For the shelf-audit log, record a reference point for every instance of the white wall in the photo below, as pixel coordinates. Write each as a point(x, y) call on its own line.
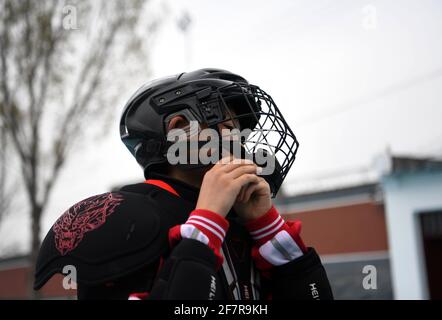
point(407, 195)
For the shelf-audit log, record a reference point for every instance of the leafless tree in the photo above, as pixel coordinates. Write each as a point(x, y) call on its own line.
point(5, 192)
point(60, 65)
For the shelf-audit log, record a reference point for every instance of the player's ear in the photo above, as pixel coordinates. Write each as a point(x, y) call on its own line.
point(177, 122)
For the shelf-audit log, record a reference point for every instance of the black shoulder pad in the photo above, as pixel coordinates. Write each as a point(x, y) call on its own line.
point(104, 237)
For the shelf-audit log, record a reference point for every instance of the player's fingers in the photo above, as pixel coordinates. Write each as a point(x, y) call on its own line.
point(243, 169)
point(245, 179)
point(241, 194)
point(250, 190)
point(230, 164)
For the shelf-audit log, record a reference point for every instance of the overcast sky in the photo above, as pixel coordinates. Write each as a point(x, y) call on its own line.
point(352, 78)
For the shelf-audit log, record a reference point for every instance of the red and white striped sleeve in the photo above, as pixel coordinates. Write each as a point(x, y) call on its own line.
point(205, 226)
point(277, 241)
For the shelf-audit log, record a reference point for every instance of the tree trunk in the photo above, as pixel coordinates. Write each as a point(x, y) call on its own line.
point(36, 211)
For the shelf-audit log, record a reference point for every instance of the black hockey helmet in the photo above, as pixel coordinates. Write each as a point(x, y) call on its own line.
point(208, 96)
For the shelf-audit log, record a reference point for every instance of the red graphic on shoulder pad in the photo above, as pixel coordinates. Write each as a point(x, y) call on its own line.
point(85, 216)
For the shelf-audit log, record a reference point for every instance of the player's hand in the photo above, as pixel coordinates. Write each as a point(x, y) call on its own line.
point(254, 200)
point(223, 182)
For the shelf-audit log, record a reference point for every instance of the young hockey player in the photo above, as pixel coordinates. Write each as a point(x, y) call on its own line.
point(202, 225)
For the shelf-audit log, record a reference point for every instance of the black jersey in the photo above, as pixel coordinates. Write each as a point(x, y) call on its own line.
point(118, 243)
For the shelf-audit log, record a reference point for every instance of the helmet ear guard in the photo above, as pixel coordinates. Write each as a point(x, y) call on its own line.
point(187, 114)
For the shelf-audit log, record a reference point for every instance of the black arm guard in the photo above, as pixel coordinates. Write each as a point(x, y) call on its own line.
point(302, 279)
point(189, 274)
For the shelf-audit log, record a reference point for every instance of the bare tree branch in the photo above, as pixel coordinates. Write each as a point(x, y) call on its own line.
point(44, 67)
